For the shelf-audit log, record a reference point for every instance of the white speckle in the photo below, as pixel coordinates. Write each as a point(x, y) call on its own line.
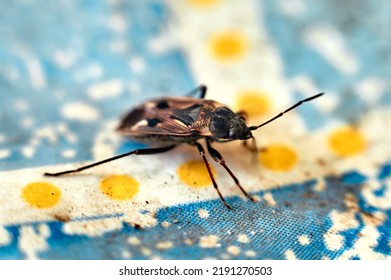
point(134, 240)
point(63, 130)
point(34, 141)
point(105, 142)
point(382, 202)
point(31, 241)
point(47, 132)
point(304, 239)
point(304, 84)
point(28, 151)
point(93, 71)
point(21, 105)
point(4, 153)
point(107, 89)
point(117, 23)
point(166, 224)
point(64, 59)
point(328, 42)
point(371, 89)
point(126, 254)
point(71, 137)
point(2, 137)
point(242, 238)
point(79, 111)
point(233, 250)
point(293, 8)
point(91, 228)
point(164, 245)
point(203, 213)
point(320, 185)
point(145, 251)
point(269, 199)
point(333, 241)
point(5, 237)
point(250, 253)
point(364, 246)
point(69, 153)
point(188, 241)
point(329, 102)
point(162, 43)
point(137, 64)
point(35, 71)
point(119, 46)
point(341, 221)
point(224, 256)
point(209, 241)
point(290, 255)
point(27, 122)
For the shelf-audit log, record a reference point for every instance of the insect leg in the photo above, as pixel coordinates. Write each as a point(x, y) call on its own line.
point(200, 89)
point(148, 151)
point(253, 148)
point(219, 158)
point(202, 153)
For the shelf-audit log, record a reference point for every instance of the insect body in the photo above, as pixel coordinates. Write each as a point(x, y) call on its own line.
point(185, 120)
point(170, 121)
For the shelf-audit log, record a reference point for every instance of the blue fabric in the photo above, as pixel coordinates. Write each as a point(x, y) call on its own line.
point(97, 50)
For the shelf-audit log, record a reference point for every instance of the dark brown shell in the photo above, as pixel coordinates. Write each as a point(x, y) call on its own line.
point(169, 116)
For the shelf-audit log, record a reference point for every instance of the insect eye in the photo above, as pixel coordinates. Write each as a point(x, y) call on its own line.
point(219, 123)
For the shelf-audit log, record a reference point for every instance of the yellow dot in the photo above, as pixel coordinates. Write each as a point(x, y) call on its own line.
point(347, 141)
point(194, 174)
point(203, 3)
point(254, 102)
point(278, 157)
point(41, 194)
point(119, 187)
point(228, 45)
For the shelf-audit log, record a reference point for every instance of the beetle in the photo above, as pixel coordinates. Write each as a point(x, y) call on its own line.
point(170, 121)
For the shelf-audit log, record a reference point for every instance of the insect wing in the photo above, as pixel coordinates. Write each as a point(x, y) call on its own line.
point(169, 116)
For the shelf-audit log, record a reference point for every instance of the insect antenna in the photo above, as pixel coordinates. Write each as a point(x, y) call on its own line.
point(255, 127)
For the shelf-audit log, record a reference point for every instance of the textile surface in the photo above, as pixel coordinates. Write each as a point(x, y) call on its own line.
point(321, 179)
